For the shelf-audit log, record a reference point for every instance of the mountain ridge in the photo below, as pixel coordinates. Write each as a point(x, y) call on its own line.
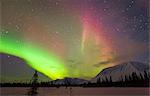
point(119, 71)
point(69, 81)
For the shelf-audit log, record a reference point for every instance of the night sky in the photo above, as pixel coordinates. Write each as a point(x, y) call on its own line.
point(70, 38)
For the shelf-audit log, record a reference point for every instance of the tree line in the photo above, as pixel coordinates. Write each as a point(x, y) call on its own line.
point(132, 80)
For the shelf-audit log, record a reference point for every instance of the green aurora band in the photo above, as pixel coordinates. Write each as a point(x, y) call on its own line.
point(36, 57)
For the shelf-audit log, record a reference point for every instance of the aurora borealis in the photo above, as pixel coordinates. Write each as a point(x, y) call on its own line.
point(74, 38)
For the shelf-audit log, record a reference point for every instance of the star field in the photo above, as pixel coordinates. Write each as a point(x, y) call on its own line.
point(74, 38)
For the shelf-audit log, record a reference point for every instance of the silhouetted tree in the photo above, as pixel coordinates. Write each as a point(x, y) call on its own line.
point(146, 75)
point(134, 76)
point(98, 80)
point(106, 79)
point(130, 78)
point(126, 79)
point(141, 77)
point(33, 90)
point(110, 79)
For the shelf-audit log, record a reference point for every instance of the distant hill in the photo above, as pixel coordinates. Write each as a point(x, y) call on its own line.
point(122, 71)
point(129, 74)
point(69, 81)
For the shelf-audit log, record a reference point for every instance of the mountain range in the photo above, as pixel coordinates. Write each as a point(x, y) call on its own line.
point(116, 73)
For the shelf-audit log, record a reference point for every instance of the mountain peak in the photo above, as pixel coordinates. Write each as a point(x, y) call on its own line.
point(139, 66)
point(119, 71)
point(69, 81)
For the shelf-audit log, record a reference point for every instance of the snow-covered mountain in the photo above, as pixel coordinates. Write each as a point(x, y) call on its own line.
point(69, 81)
point(119, 71)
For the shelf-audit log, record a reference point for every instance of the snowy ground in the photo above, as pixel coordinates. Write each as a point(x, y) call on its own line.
point(76, 91)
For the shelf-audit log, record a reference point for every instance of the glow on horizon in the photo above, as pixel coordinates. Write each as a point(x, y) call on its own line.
point(41, 60)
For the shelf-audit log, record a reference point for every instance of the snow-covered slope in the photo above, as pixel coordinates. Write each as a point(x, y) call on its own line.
point(69, 81)
point(119, 72)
